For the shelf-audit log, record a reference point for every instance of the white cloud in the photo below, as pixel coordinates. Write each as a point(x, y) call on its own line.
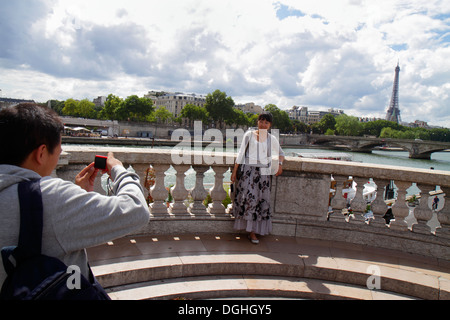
point(331, 53)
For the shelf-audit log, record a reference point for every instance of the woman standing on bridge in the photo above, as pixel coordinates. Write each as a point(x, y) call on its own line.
point(252, 178)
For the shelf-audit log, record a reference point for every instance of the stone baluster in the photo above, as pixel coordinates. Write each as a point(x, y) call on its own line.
point(338, 202)
point(358, 203)
point(444, 216)
point(379, 206)
point(218, 193)
point(198, 193)
point(141, 170)
point(158, 191)
point(422, 212)
point(179, 192)
point(400, 209)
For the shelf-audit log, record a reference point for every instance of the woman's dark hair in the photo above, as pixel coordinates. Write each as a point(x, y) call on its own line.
point(25, 127)
point(266, 116)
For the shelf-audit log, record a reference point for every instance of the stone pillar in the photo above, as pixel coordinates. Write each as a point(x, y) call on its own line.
point(198, 193)
point(444, 216)
point(400, 209)
point(338, 202)
point(358, 203)
point(218, 193)
point(179, 192)
point(159, 192)
point(379, 207)
point(422, 212)
point(141, 170)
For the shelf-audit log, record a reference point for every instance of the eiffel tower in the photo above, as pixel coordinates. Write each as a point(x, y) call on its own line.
point(393, 113)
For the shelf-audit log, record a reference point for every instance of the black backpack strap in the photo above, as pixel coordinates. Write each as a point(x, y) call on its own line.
point(31, 224)
point(31, 217)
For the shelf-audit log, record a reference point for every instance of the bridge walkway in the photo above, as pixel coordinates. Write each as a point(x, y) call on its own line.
point(204, 266)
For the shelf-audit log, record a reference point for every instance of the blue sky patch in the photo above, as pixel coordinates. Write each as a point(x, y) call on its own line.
point(284, 12)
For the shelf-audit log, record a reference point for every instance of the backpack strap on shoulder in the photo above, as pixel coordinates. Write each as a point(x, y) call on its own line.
point(31, 225)
point(31, 219)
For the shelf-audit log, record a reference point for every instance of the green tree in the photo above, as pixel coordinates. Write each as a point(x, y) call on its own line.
point(299, 127)
point(194, 113)
point(252, 120)
point(373, 128)
point(86, 109)
point(134, 108)
point(348, 125)
point(138, 108)
point(238, 118)
point(162, 115)
point(281, 119)
point(56, 105)
point(440, 134)
point(112, 103)
point(70, 108)
point(328, 122)
point(219, 106)
point(387, 132)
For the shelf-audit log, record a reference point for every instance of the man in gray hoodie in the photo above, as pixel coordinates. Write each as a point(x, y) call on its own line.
point(74, 217)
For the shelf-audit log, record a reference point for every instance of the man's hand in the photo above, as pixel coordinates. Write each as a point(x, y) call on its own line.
point(86, 178)
point(112, 162)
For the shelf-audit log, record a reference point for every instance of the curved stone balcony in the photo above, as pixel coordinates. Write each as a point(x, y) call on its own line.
point(322, 246)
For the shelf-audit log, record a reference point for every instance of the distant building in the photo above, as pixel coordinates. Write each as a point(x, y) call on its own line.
point(249, 108)
point(303, 114)
point(8, 102)
point(100, 101)
point(368, 119)
point(175, 102)
point(419, 124)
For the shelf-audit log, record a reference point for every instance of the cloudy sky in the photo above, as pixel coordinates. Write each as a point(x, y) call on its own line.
point(322, 53)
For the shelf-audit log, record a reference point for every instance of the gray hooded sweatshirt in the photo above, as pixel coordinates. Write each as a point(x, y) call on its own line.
point(73, 218)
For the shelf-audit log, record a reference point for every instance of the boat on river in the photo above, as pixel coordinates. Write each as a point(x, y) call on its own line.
point(338, 156)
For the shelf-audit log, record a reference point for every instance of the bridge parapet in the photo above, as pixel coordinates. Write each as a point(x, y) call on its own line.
point(310, 199)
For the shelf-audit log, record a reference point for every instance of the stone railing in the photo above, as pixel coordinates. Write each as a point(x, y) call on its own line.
point(308, 199)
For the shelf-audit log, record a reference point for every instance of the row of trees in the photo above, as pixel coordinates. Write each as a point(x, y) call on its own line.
point(115, 108)
point(219, 109)
point(345, 125)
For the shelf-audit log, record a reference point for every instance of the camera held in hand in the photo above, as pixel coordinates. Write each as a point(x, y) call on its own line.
point(100, 162)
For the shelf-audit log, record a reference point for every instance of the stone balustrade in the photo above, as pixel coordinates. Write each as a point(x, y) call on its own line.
point(309, 200)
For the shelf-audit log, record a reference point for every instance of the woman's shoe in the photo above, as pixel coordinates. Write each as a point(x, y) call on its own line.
point(254, 241)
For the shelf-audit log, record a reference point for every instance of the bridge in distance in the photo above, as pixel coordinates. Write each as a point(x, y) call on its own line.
point(417, 149)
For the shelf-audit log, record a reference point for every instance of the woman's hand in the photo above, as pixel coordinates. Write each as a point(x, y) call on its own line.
point(233, 177)
point(280, 171)
point(86, 178)
point(234, 173)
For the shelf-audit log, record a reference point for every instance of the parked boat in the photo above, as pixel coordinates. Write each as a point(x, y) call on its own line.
point(338, 156)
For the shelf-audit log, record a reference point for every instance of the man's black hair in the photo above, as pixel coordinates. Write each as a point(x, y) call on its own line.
point(25, 127)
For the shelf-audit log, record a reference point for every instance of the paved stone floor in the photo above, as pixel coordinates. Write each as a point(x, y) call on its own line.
point(315, 269)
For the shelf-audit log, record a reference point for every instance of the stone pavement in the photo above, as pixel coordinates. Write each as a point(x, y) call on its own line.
point(205, 266)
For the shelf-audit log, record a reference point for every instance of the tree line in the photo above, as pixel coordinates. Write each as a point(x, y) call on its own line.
point(345, 125)
point(219, 110)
